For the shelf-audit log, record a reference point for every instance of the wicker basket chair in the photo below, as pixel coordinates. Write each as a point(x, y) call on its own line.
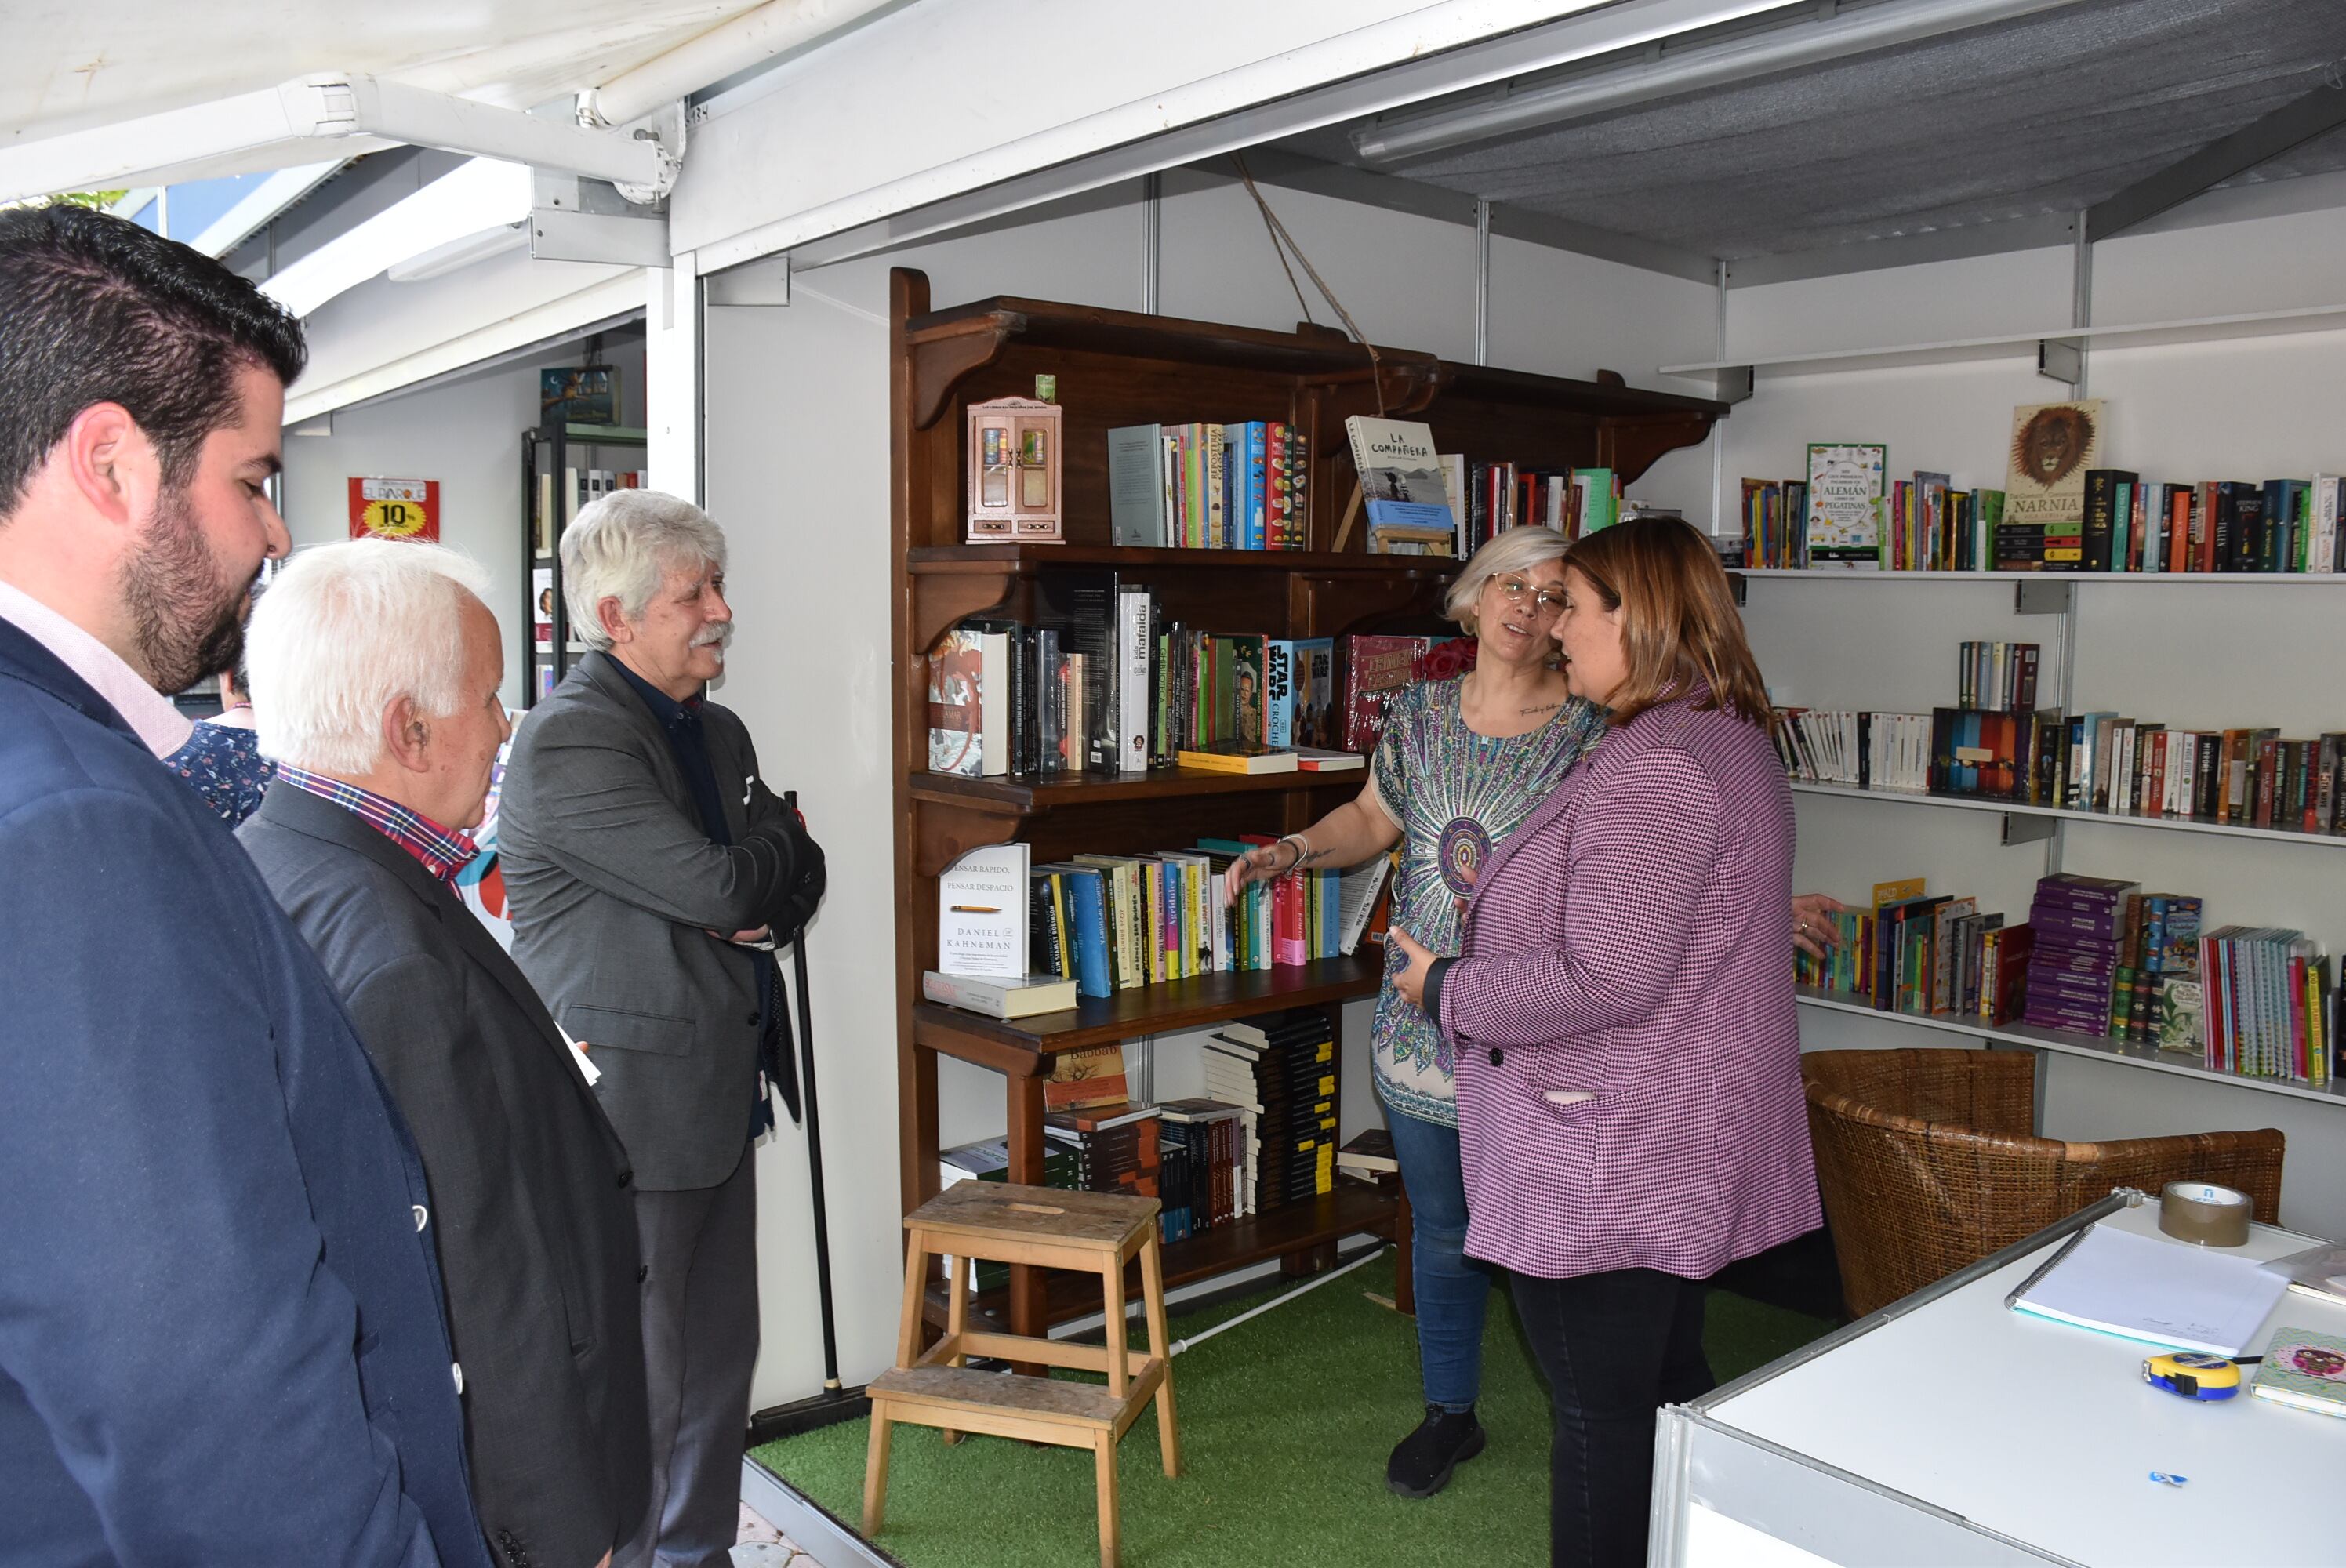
point(1927, 1163)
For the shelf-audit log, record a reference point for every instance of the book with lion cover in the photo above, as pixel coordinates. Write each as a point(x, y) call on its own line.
point(2053, 444)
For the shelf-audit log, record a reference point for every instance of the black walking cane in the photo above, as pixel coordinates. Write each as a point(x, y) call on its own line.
point(834, 1404)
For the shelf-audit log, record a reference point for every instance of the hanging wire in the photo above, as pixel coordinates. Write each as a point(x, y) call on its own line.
point(1283, 243)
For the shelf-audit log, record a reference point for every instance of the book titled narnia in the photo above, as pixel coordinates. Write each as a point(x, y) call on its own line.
point(2053, 445)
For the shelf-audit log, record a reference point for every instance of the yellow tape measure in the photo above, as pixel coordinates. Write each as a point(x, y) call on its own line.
point(2193, 1374)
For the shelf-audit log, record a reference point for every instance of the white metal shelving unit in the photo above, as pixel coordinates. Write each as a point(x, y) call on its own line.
point(2068, 1045)
point(2071, 814)
point(2059, 350)
point(2055, 593)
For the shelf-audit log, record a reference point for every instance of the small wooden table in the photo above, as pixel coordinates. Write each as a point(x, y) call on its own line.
point(1095, 1233)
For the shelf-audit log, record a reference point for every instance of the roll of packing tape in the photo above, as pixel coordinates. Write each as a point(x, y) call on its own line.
point(2203, 1212)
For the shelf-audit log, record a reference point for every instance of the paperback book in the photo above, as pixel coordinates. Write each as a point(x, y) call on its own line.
point(1401, 475)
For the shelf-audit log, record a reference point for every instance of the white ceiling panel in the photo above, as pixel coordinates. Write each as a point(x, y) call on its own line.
point(75, 64)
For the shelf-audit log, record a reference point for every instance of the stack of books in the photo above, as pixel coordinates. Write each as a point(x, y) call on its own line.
point(2116, 521)
point(1115, 1146)
point(1201, 1159)
point(2268, 1009)
point(1116, 922)
point(1280, 1069)
point(1861, 750)
point(2080, 925)
point(2000, 678)
point(1101, 679)
point(2158, 949)
point(1933, 957)
point(1776, 523)
point(1238, 485)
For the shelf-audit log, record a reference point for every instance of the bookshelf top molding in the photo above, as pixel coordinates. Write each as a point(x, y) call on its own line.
point(1024, 559)
point(1021, 795)
point(947, 345)
point(2022, 345)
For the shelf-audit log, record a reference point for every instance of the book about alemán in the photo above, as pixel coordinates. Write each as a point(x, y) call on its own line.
point(1845, 488)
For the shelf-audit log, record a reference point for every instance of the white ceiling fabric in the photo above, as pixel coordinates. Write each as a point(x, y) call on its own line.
point(75, 63)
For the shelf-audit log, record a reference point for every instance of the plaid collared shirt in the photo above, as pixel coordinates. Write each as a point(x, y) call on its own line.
point(442, 851)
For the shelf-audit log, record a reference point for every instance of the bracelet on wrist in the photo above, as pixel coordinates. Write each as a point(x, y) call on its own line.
point(1302, 848)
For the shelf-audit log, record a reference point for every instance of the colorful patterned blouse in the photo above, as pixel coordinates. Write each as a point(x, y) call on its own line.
point(224, 763)
point(1456, 794)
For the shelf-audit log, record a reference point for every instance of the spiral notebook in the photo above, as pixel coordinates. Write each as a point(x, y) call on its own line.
point(2148, 1289)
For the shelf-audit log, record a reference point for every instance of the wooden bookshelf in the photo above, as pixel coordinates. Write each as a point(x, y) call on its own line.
point(1119, 368)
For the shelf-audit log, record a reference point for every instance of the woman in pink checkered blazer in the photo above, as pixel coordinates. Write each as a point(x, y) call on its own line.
point(1629, 1102)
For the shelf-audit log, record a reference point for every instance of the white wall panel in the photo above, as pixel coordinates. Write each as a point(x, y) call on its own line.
point(2018, 292)
point(2271, 264)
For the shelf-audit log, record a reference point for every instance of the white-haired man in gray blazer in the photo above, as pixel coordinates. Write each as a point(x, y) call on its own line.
point(649, 870)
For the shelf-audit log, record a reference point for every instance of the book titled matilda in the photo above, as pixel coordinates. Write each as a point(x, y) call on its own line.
point(2053, 444)
point(1401, 475)
point(1845, 488)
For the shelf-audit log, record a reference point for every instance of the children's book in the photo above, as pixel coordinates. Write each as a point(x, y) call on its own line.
point(2305, 1370)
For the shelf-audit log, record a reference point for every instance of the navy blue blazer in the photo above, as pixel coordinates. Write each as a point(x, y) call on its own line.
point(221, 1328)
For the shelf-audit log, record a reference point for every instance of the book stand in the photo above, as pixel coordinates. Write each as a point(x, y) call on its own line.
point(1093, 1233)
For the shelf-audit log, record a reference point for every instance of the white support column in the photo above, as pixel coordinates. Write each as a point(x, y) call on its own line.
point(1482, 282)
point(1152, 243)
point(672, 378)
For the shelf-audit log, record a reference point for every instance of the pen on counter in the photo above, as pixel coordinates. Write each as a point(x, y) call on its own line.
point(2045, 1268)
point(975, 909)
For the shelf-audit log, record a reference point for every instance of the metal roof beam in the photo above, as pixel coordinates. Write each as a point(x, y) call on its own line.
point(335, 115)
point(2293, 123)
point(1394, 193)
point(2036, 232)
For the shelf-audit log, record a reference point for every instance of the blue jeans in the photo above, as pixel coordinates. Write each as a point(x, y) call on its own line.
point(1452, 1288)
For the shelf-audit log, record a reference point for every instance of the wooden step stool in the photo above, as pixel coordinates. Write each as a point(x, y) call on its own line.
point(1095, 1233)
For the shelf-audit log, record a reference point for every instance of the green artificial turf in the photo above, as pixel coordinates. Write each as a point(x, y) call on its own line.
point(1285, 1425)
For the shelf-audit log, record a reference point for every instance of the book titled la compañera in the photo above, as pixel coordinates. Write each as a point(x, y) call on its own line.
point(1401, 475)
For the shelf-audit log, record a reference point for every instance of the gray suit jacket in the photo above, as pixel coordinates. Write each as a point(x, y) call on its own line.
point(528, 1183)
point(614, 887)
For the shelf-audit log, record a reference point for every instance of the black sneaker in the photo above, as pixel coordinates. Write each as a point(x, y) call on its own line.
point(1422, 1464)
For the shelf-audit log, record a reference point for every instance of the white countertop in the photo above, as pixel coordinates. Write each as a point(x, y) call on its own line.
point(2047, 1433)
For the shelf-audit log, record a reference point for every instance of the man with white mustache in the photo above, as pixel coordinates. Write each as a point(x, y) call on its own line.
point(650, 871)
